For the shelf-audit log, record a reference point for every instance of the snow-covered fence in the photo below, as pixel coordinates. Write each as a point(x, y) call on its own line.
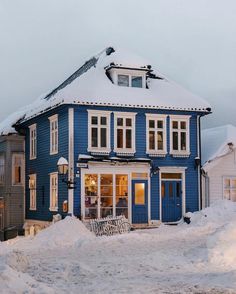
point(110, 225)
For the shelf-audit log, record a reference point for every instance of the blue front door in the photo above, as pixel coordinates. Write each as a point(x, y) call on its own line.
point(139, 201)
point(171, 194)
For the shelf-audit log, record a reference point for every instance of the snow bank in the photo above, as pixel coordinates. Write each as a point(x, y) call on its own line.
point(66, 232)
point(218, 214)
point(222, 246)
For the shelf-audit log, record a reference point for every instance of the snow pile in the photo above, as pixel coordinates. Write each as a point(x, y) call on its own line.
point(218, 214)
point(67, 232)
point(222, 246)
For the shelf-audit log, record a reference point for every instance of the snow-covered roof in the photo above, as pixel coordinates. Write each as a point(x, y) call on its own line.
point(217, 142)
point(90, 85)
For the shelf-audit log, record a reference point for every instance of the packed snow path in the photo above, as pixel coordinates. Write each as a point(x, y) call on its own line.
point(172, 259)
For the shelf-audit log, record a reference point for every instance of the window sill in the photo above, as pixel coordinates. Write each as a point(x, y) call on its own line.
point(53, 208)
point(54, 153)
point(33, 209)
point(124, 152)
point(180, 155)
point(156, 154)
point(99, 151)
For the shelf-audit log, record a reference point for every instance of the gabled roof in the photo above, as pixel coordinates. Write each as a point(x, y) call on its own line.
point(90, 85)
point(217, 142)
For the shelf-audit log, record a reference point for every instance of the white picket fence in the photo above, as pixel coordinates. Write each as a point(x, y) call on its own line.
point(110, 225)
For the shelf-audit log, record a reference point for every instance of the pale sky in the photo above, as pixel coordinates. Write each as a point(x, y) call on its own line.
point(193, 42)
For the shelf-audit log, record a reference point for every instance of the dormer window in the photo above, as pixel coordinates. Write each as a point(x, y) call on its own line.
point(128, 77)
point(130, 81)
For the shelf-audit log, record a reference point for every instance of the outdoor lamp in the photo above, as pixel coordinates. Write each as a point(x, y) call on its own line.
point(62, 166)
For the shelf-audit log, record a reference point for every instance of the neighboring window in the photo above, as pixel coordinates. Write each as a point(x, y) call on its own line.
point(53, 192)
point(124, 131)
point(33, 191)
point(230, 188)
point(17, 169)
point(179, 135)
point(156, 134)
point(128, 80)
point(99, 131)
point(33, 141)
point(53, 134)
point(2, 169)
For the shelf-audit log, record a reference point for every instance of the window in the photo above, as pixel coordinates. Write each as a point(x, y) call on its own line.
point(2, 169)
point(99, 131)
point(156, 134)
point(53, 192)
point(17, 169)
point(105, 194)
point(230, 188)
point(33, 191)
point(179, 135)
point(123, 80)
point(53, 134)
point(33, 141)
point(124, 130)
point(129, 80)
point(139, 194)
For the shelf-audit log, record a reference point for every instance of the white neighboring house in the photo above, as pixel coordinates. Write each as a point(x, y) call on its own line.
point(219, 164)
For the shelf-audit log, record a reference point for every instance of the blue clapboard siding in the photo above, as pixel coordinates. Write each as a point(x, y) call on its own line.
point(45, 163)
point(81, 144)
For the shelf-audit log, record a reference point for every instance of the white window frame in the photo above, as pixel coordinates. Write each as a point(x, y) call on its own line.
point(53, 176)
point(179, 119)
point(99, 114)
point(125, 115)
point(22, 166)
point(230, 188)
point(33, 141)
point(156, 117)
point(33, 192)
point(53, 134)
point(2, 170)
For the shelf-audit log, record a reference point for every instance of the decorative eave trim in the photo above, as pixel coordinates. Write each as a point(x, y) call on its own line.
point(156, 154)
point(161, 107)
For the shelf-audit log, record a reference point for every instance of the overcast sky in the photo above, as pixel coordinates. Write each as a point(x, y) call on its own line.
point(193, 42)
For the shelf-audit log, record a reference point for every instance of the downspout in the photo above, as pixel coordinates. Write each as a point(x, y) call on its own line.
point(200, 156)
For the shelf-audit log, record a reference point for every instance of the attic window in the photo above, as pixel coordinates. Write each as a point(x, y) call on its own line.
point(130, 81)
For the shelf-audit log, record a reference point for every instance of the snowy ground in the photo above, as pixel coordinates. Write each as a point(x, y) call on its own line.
point(66, 258)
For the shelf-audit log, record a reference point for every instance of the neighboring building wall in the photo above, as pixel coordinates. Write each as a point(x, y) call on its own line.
point(13, 194)
point(216, 171)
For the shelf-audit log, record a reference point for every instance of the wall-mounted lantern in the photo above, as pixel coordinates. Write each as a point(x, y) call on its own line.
point(63, 166)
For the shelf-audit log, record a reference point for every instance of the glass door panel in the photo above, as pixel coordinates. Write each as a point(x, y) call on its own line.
point(106, 195)
point(122, 195)
point(91, 196)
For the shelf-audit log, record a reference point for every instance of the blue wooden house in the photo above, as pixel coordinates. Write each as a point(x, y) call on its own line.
point(130, 136)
